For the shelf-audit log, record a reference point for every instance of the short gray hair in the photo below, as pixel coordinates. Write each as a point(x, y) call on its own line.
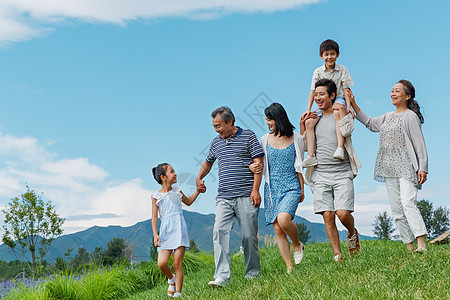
point(225, 112)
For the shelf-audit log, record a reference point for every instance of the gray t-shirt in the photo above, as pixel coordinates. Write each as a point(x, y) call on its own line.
point(326, 144)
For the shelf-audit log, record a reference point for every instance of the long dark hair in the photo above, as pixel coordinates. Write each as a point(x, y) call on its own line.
point(412, 103)
point(158, 171)
point(283, 126)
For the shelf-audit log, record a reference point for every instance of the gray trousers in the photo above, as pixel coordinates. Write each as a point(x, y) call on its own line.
point(227, 211)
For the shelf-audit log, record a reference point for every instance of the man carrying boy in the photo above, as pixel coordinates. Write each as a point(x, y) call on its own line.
point(238, 194)
point(329, 52)
point(332, 179)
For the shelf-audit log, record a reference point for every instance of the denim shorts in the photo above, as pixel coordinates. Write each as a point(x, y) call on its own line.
point(338, 100)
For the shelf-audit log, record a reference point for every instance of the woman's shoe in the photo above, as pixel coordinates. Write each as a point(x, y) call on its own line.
point(298, 255)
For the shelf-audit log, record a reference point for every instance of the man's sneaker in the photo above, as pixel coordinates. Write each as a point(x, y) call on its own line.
point(338, 257)
point(310, 162)
point(339, 153)
point(353, 243)
point(218, 282)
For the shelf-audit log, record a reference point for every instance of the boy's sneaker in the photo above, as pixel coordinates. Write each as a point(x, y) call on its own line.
point(338, 257)
point(310, 162)
point(353, 243)
point(339, 153)
point(218, 282)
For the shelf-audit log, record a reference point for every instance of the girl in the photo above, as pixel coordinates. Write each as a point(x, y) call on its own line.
point(174, 237)
point(402, 160)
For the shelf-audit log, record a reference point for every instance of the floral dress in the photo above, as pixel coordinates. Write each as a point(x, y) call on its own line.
point(283, 193)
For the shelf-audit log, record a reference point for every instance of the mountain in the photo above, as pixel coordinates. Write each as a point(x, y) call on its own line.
point(140, 236)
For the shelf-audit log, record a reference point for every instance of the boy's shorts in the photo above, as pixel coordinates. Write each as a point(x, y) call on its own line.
point(331, 193)
point(339, 100)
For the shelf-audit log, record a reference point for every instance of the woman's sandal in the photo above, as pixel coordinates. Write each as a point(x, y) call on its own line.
point(298, 255)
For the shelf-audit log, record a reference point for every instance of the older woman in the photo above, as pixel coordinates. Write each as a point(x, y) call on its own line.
point(402, 161)
point(283, 189)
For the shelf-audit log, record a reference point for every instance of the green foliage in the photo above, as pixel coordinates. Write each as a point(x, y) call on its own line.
point(441, 221)
point(32, 224)
point(193, 246)
point(115, 252)
point(303, 232)
point(13, 268)
point(153, 252)
point(426, 210)
point(103, 284)
point(437, 221)
point(383, 226)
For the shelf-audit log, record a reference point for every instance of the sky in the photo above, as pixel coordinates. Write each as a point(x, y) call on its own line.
point(93, 94)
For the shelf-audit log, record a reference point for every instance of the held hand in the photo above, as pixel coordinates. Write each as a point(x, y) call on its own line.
point(350, 111)
point(201, 187)
point(256, 167)
point(157, 241)
point(422, 177)
point(256, 198)
point(349, 95)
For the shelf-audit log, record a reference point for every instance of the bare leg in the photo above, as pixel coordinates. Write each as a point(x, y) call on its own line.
point(347, 220)
point(178, 256)
point(410, 247)
point(163, 263)
point(339, 112)
point(283, 245)
point(332, 232)
point(421, 242)
point(311, 136)
point(289, 228)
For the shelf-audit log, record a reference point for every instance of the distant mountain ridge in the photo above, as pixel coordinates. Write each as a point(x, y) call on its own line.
point(140, 236)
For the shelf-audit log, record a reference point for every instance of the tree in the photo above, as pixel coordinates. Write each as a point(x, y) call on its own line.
point(426, 210)
point(193, 246)
point(303, 232)
point(441, 221)
point(81, 258)
point(115, 252)
point(33, 224)
point(383, 226)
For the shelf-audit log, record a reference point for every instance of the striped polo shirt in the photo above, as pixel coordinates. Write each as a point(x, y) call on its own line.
point(235, 155)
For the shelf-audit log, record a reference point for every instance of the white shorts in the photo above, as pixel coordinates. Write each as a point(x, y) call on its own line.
point(332, 193)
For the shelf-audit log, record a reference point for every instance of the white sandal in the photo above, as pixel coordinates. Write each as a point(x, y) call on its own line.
point(171, 289)
point(298, 255)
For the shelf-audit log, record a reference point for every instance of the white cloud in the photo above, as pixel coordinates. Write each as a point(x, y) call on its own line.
point(25, 19)
point(77, 187)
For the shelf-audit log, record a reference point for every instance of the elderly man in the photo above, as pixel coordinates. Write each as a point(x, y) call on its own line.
point(331, 178)
point(238, 194)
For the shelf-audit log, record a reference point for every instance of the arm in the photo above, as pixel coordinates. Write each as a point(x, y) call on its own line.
point(156, 239)
point(189, 200)
point(204, 170)
point(310, 101)
point(257, 177)
point(302, 187)
point(373, 124)
point(420, 149)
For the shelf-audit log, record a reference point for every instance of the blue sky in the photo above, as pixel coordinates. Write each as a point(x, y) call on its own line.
point(95, 93)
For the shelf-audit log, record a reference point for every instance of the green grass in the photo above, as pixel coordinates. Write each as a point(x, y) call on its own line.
point(383, 270)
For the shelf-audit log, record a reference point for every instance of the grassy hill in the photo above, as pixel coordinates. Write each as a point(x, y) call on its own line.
point(383, 270)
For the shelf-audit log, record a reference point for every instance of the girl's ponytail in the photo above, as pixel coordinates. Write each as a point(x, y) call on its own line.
point(158, 171)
